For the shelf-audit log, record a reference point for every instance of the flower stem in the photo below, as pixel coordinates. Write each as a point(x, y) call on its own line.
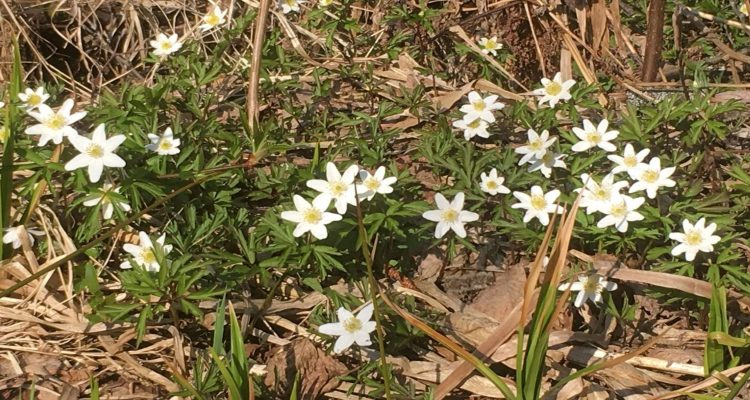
point(374, 293)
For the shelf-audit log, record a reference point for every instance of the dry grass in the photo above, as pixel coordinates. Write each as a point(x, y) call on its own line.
point(88, 46)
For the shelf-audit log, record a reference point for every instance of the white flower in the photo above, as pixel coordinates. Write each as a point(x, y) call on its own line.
point(481, 108)
point(651, 177)
point(694, 238)
point(554, 90)
point(213, 18)
point(493, 184)
point(375, 183)
point(288, 6)
point(630, 161)
point(2, 105)
point(96, 153)
point(536, 147)
point(165, 144)
point(594, 136)
point(620, 211)
point(589, 287)
point(13, 235)
point(311, 218)
point(490, 46)
point(538, 204)
point(103, 197)
point(324, 3)
point(143, 253)
point(547, 162)
point(4, 133)
point(475, 127)
point(350, 329)
point(54, 125)
point(450, 216)
point(338, 187)
point(743, 9)
point(597, 197)
point(33, 98)
point(165, 45)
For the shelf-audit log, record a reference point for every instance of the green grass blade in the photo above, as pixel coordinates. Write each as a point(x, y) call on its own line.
point(713, 359)
point(12, 122)
point(738, 386)
point(94, 388)
point(218, 341)
point(238, 365)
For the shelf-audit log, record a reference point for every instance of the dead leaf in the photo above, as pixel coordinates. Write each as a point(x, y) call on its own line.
point(302, 359)
point(430, 268)
point(503, 295)
point(472, 327)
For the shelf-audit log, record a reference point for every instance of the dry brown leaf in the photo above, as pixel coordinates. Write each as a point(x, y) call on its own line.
point(317, 371)
point(447, 100)
point(430, 268)
point(499, 299)
point(599, 24)
point(472, 327)
point(435, 373)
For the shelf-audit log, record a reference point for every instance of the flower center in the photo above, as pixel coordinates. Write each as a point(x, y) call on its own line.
point(372, 183)
point(450, 215)
point(352, 325)
point(312, 216)
point(591, 285)
point(630, 161)
point(594, 137)
point(56, 122)
point(479, 105)
point(490, 45)
point(491, 185)
point(538, 202)
point(338, 188)
point(650, 176)
point(601, 193)
point(166, 46)
point(693, 238)
point(95, 151)
point(553, 89)
point(212, 19)
point(618, 210)
point(34, 100)
point(290, 3)
point(535, 144)
point(165, 144)
point(475, 123)
point(147, 255)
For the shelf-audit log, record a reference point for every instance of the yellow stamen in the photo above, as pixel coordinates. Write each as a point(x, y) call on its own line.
point(693, 238)
point(147, 255)
point(95, 151)
point(538, 202)
point(650, 176)
point(312, 216)
point(338, 188)
point(56, 122)
point(450, 215)
point(352, 325)
point(372, 184)
point(553, 89)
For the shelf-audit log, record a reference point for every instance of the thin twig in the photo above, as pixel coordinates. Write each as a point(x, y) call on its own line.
point(252, 90)
point(654, 40)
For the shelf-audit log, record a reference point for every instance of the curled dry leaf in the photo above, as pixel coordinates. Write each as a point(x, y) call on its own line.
point(304, 359)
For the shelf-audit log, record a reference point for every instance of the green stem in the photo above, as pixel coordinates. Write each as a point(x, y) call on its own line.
point(374, 292)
